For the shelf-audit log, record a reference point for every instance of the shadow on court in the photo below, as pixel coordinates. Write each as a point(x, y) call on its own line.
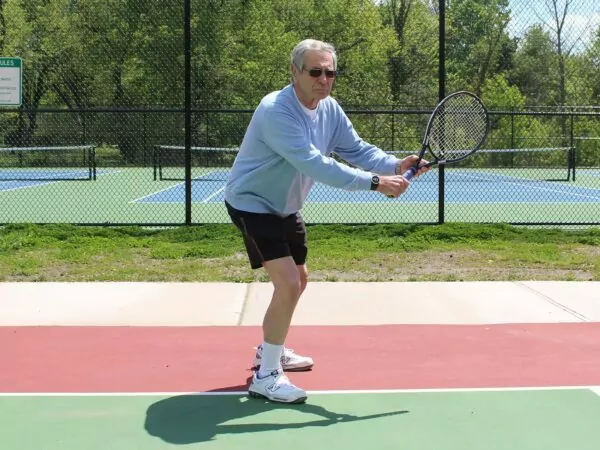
point(189, 418)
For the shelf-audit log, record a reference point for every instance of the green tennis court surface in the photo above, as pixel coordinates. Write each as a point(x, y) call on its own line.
point(525, 185)
point(451, 420)
point(131, 195)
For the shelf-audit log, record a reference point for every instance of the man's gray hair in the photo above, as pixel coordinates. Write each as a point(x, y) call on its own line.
point(299, 52)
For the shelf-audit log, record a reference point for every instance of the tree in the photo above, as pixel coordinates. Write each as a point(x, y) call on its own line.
point(565, 39)
point(477, 43)
point(535, 71)
point(413, 63)
point(592, 60)
point(2, 26)
point(37, 31)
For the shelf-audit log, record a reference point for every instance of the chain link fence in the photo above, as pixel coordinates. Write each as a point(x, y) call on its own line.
point(115, 91)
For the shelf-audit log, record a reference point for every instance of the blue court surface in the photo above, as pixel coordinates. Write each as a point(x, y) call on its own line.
point(461, 187)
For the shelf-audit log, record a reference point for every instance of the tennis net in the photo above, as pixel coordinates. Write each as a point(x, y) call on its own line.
point(207, 163)
point(524, 164)
point(486, 165)
point(59, 163)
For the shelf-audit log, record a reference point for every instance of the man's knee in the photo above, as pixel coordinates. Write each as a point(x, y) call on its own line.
point(286, 278)
point(290, 287)
point(303, 272)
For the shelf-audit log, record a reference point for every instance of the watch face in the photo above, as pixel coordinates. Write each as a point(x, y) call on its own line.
point(374, 182)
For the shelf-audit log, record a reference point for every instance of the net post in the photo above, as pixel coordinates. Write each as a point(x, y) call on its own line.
point(154, 161)
point(159, 159)
point(573, 160)
point(92, 157)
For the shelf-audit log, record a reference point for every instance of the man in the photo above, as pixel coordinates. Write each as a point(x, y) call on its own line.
point(285, 150)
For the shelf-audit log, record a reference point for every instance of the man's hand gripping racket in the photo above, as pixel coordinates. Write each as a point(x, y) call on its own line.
point(456, 129)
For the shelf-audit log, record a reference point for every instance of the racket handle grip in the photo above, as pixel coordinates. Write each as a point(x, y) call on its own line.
point(410, 173)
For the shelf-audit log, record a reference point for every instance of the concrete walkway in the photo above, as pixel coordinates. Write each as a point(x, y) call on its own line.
point(336, 303)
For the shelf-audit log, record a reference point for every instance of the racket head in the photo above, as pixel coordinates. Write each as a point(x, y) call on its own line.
point(457, 127)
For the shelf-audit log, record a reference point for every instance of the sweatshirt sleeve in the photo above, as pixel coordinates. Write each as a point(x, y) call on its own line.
point(351, 147)
point(286, 135)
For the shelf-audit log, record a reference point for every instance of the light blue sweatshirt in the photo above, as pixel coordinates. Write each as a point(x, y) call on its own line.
point(286, 149)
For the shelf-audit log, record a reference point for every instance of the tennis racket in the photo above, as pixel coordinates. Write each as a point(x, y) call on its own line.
point(456, 129)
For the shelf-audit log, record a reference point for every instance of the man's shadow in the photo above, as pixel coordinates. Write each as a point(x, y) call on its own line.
point(191, 418)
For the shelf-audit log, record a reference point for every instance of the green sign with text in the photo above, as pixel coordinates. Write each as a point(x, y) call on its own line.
point(11, 81)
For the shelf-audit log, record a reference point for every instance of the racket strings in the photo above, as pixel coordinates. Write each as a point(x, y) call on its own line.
point(459, 127)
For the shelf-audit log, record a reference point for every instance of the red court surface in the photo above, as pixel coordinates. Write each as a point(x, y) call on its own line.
point(196, 359)
point(417, 387)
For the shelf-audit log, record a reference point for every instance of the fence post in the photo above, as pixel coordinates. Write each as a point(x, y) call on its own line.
point(441, 95)
point(188, 106)
point(572, 150)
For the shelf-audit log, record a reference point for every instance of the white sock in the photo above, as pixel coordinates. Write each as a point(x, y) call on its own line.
point(271, 359)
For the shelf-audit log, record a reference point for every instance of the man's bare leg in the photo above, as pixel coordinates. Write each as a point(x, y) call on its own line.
point(289, 281)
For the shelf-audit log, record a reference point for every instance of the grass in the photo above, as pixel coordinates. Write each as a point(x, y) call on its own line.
point(449, 252)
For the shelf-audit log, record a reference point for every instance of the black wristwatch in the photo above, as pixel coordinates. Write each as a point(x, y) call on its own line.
point(374, 182)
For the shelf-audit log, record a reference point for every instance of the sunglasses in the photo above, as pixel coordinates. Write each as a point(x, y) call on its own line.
point(316, 73)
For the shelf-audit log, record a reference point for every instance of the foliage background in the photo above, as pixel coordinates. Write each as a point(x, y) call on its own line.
point(129, 54)
point(111, 73)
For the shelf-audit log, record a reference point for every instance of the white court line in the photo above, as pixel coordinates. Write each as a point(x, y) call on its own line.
point(207, 199)
point(29, 186)
point(157, 192)
point(203, 178)
point(199, 178)
point(558, 191)
point(595, 389)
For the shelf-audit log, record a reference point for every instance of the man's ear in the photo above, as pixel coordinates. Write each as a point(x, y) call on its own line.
point(294, 71)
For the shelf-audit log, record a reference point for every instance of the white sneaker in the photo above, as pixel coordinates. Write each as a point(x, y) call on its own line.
point(290, 361)
point(277, 388)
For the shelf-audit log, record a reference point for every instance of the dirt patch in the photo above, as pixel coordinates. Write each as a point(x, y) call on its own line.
point(463, 265)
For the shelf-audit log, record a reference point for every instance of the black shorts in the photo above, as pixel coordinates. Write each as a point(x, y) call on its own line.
point(268, 236)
